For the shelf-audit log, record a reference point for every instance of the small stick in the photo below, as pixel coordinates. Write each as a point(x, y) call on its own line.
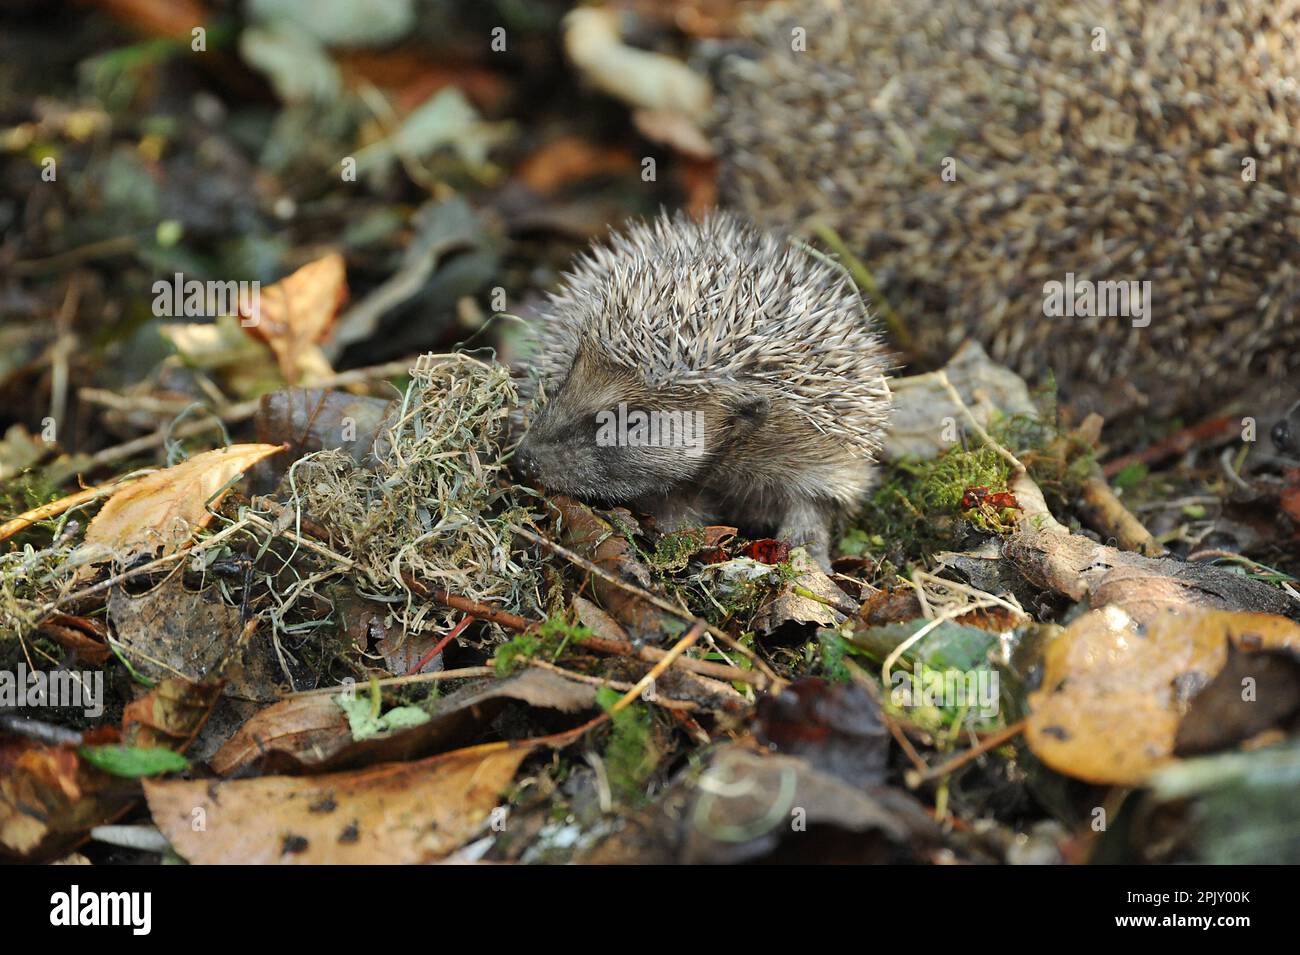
point(681, 646)
point(941, 376)
point(987, 743)
point(719, 671)
point(686, 706)
point(54, 508)
point(242, 411)
point(653, 600)
point(464, 673)
point(455, 632)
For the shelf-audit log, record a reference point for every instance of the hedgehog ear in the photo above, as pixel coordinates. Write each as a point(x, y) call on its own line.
point(748, 411)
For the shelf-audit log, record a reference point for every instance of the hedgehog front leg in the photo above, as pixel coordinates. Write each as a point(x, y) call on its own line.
point(808, 524)
point(672, 512)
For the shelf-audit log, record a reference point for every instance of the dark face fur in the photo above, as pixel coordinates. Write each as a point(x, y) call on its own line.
point(607, 437)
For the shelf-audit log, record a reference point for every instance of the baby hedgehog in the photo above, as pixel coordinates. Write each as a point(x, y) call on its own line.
point(709, 371)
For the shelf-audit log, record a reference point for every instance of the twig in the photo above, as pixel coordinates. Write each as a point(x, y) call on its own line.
point(653, 600)
point(1210, 431)
point(719, 671)
point(464, 673)
point(681, 646)
point(914, 779)
point(441, 645)
point(1108, 515)
point(941, 377)
point(665, 702)
point(241, 411)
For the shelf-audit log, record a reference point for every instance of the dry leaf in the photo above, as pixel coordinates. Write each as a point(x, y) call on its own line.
point(167, 507)
point(296, 313)
point(1115, 689)
point(401, 813)
point(49, 798)
point(308, 727)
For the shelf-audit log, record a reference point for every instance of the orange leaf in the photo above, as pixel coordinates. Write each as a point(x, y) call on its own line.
point(393, 813)
point(167, 507)
point(1108, 707)
point(297, 312)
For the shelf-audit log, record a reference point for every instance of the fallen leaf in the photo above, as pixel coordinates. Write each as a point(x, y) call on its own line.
point(49, 798)
point(295, 736)
point(569, 159)
point(396, 813)
point(170, 715)
point(170, 631)
point(296, 313)
point(306, 727)
point(165, 508)
point(1115, 688)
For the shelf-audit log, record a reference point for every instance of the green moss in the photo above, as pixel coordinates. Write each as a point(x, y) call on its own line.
point(631, 753)
point(673, 551)
point(550, 639)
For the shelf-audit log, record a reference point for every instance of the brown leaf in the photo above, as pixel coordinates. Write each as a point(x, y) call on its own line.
point(164, 509)
point(49, 798)
point(169, 715)
point(568, 159)
point(456, 719)
point(398, 813)
point(170, 631)
point(1114, 688)
point(297, 312)
point(306, 727)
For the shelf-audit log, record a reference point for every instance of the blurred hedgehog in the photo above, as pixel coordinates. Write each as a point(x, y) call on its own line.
point(708, 371)
point(1123, 142)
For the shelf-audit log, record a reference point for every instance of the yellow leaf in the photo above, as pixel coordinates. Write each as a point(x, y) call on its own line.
point(164, 509)
point(297, 312)
point(1110, 703)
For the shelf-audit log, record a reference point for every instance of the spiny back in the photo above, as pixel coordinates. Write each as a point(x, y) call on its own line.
point(1124, 140)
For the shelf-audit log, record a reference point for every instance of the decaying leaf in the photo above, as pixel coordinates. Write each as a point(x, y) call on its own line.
point(750, 805)
point(302, 735)
point(49, 797)
point(170, 631)
point(170, 715)
point(296, 313)
point(1115, 688)
point(164, 509)
point(306, 727)
point(394, 813)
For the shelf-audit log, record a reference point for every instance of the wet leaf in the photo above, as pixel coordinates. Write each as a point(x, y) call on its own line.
point(1114, 688)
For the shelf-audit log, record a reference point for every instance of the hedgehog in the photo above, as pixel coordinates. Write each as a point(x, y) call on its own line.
point(708, 370)
point(976, 153)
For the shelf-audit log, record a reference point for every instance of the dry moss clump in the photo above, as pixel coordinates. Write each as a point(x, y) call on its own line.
point(435, 501)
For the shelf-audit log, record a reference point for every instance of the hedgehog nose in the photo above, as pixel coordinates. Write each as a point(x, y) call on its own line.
point(525, 463)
